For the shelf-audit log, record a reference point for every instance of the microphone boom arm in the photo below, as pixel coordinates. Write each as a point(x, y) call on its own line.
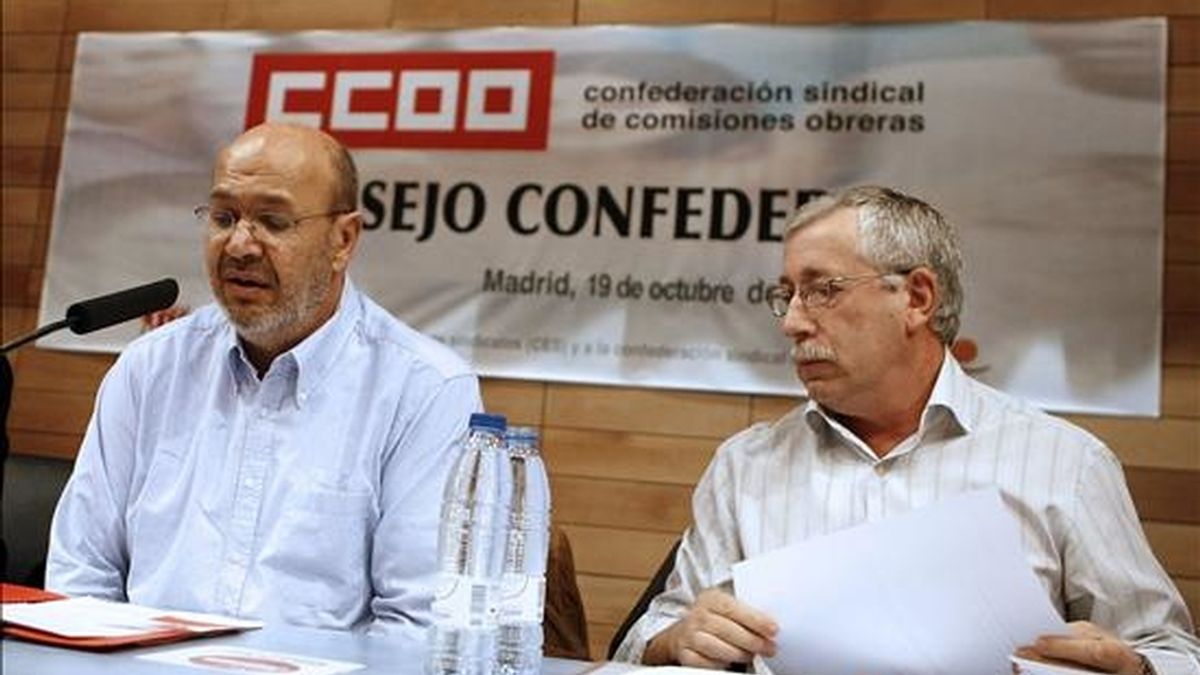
point(44, 330)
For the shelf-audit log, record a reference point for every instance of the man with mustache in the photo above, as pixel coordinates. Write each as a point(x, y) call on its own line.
point(281, 454)
point(870, 296)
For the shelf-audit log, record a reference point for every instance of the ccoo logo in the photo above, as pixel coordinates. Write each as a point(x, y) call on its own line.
point(427, 100)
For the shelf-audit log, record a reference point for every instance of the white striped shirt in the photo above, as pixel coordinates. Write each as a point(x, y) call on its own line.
point(807, 475)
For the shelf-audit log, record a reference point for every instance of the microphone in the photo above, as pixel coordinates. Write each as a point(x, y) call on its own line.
point(107, 310)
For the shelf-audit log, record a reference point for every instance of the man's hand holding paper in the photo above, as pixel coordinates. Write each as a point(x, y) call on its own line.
point(718, 631)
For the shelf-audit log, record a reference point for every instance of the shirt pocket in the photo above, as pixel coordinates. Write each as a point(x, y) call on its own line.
point(323, 501)
point(322, 552)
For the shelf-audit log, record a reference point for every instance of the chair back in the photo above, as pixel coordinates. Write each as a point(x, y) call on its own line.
point(32, 486)
point(657, 583)
point(564, 627)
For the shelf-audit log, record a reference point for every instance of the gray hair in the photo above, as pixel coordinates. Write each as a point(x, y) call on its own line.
point(345, 176)
point(899, 232)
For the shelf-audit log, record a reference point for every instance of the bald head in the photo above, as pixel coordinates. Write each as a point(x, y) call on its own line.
point(307, 155)
point(279, 277)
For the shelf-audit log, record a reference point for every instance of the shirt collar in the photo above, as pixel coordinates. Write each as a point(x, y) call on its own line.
point(950, 398)
point(951, 394)
point(308, 362)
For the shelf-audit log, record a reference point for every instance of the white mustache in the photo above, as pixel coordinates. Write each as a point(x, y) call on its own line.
point(812, 351)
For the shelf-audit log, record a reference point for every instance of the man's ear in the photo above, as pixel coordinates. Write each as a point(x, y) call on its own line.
point(923, 297)
point(344, 235)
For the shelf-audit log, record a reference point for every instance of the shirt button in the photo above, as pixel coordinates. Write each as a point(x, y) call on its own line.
point(880, 469)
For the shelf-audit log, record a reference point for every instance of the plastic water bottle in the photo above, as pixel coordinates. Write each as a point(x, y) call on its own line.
point(470, 552)
point(527, 544)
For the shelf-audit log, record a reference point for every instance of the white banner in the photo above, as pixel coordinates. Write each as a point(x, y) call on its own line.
point(605, 204)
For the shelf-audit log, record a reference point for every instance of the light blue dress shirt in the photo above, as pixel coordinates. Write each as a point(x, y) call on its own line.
point(310, 496)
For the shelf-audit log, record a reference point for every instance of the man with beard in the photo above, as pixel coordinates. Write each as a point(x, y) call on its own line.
point(870, 296)
point(279, 455)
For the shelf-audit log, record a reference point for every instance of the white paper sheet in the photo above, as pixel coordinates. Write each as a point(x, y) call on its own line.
point(944, 589)
point(1027, 667)
point(243, 660)
point(91, 617)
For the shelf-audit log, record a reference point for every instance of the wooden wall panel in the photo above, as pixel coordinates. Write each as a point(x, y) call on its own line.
point(607, 551)
point(1182, 195)
point(1184, 40)
point(25, 127)
point(427, 14)
point(50, 173)
point(1181, 392)
point(66, 372)
point(608, 599)
point(20, 205)
point(50, 411)
point(1165, 443)
point(648, 410)
point(674, 11)
point(1183, 133)
point(22, 285)
point(1182, 237)
point(618, 455)
point(1183, 89)
point(144, 15)
point(1181, 284)
point(622, 459)
point(1190, 590)
point(16, 320)
point(1181, 340)
point(66, 59)
point(521, 402)
point(23, 167)
point(54, 132)
point(27, 91)
point(1164, 494)
point(822, 11)
point(1177, 547)
point(307, 14)
point(45, 443)
point(23, 52)
point(771, 408)
point(646, 507)
point(32, 16)
point(62, 91)
point(16, 244)
point(1093, 9)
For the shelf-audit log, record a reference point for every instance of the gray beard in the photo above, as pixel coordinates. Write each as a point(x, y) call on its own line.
point(276, 323)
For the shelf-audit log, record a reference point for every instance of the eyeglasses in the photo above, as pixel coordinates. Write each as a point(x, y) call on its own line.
point(220, 220)
point(819, 294)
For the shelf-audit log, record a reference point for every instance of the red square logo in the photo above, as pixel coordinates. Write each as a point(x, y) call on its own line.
point(494, 100)
point(497, 100)
point(429, 100)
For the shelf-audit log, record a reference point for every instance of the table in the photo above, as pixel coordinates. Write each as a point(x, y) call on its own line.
point(393, 655)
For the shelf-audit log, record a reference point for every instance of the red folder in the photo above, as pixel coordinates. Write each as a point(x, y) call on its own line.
point(12, 593)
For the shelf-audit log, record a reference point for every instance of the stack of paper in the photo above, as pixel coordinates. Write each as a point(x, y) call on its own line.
point(90, 623)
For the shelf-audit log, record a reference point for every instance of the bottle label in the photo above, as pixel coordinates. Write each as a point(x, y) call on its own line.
point(464, 602)
point(523, 599)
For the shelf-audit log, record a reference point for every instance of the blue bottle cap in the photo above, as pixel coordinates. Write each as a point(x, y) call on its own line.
point(486, 421)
